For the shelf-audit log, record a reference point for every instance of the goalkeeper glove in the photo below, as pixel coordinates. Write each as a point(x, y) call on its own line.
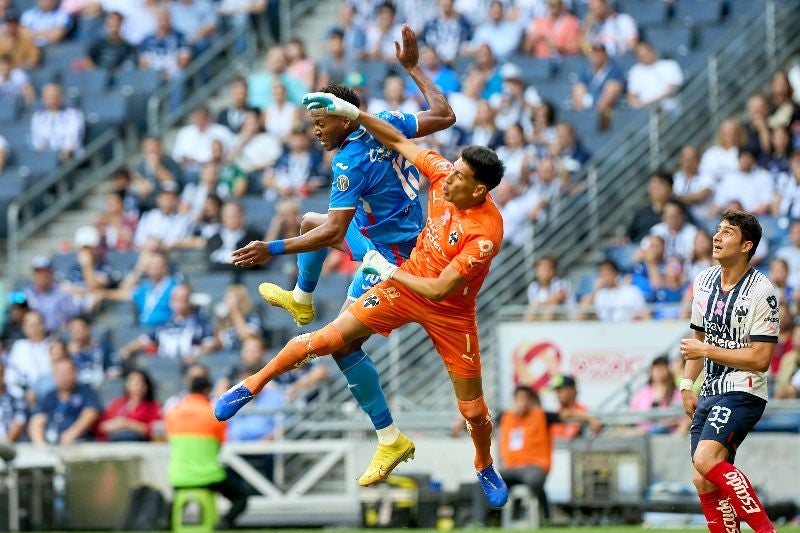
point(330, 103)
point(375, 263)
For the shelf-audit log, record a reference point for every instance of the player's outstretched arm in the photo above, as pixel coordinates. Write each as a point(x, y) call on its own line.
point(439, 115)
point(384, 133)
point(435, 289)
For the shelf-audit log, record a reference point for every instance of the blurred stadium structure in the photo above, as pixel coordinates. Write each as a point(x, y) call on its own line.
point(727, 49)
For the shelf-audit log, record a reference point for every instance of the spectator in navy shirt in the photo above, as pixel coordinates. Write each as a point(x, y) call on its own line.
point(447, 32)
point(46, 22)
point(110, 51)
point(13, 415)
point(67, 414)
point(601, 83)
point(165, 51)
point(89, 272)
point(44, 296)
point(92, 360)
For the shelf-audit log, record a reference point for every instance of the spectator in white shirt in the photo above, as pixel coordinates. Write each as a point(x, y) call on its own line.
point(617, 31)
point(723, 157)
point(254, 149)
point(787, 193)
point(233, 234)
point(14, 83)
point(164, 226)
point(196, 20)
point(547, 292)
point(56, 127)
point(749, 185)
point(139, 17)
point(791, 254)
point(383, 33)
point(692, 187)
point(678, 234)
point(46, 22)
point(533, 204)
point(29, 358)
point(503, 36)
point(652, 80)
point(394, 97)
point(281, 116)
point(465, 102)
point(615, 300)
point(193, 143)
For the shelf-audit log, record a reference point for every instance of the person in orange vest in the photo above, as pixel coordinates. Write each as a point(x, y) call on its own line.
point(195, 437)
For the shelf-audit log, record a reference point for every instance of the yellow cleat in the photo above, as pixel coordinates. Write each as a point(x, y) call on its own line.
point(386, 458)
point(302, 313)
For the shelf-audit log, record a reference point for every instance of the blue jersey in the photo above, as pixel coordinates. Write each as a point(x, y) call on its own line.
point(380, 184)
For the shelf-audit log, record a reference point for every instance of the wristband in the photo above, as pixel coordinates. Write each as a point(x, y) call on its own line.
point(686, 384)
point(276, 247)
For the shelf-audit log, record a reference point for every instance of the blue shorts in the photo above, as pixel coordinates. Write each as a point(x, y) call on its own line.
point(356, 245)
point(725, 418)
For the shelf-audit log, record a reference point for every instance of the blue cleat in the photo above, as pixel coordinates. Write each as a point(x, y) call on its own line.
point(493, 486)
point(232, 400)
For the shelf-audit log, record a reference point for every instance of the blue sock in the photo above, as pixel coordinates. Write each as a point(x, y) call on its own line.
point(362, 377)
point(309, 267)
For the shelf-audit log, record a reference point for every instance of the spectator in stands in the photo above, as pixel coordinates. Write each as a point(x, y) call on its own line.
point(443, 76)
point(57, 127)
point(297, 172)
point(600, 84)
point(44, 295)
point(526, 450)
point(233, 234)
point(692, 188)
point(140, 17)
point(150, 296)
point(195, 370)
point(355, 40)
point(668, 289)
point(194, 195)
point(660, 392)
point(46, 22)
point(785, 112)
point(791, 254)
point(131, 416)
point(653, 81)
point(335, 63)
point(153, 169)
point(617, 31)
point(12, 324)
point(677, 232)
point(394, 97)
point(193, 142)
point(166, 50)
point(755, 126)
point(547, 292)
point(18, 43)
point(260, 84)
point(786, 202)
point(232, 180)
point(723, 157)
point(195, 437)
point(92, 360)
point(749, 185)
point(516, 157)
point(164, 226)
point(501, 34)
point(111, 51)
point(615, 300)
point(207, 221)
point(447, 31)
point(465, 101)
point(776, 161)
point(286, 222)
point(254, 149)
point(533, 205)
point(557, 33)
point(484, 130)
point(485, 65)
point(779, 277)
point(89, 272)
point(28, 361)
point(787, 382)
point(509, 105)
point(543, 125)
point(4, 150)
point(232, 116)
point(238, 15)
point(281, 116)
point(569, 153)
point(649, 262)
point(116, 225)
point(382, 34)
point(659, 190)
point(572, 415)
point(701, 257)
point(14, 84)
point(236, 319)
point(13, 413)
point(67, 414)
point(196, 20)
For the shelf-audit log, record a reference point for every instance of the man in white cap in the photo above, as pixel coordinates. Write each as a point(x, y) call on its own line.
point(89, 272)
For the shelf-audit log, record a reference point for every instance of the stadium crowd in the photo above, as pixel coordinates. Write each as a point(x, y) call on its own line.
point(210, 189)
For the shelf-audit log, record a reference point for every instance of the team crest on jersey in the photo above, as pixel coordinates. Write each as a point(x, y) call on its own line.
point(452, 239)
point(486, 247)
point(371, 301)
point(772, 302)
point(741, 313)
point(342, 183)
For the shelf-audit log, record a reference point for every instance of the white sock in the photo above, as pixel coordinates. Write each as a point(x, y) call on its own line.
point(388, 435)
point(301, 296)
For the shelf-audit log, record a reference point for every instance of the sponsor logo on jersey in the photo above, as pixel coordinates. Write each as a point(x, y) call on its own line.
point(371, 301)
point(772, 302)
point(452, 239)
point(379, 154)
point(390, 293)
point(740, 313)
point(486, 247)
point(342, 166)
point(342, 183)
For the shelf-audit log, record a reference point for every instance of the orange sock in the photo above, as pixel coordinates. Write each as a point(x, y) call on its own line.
point(479, 424)
point(299, 351)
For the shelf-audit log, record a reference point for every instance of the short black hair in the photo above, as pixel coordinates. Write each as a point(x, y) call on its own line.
point(662, 175)
point(344, 92)
point(484, 162)
point(150, 388)
point(549, 258)
point(527, 390)
point(387, 5)
point(749, 226)
point(609, 262)
point(200, 385)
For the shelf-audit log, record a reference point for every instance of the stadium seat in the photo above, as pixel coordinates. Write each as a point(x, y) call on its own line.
point(211, 283)
point(623, 256)
point(39, 163)
point(103, 112)
point(62, 262)
point(219, 363)
point(41, 76)
point(712, 37)
point(9, 109)
point(645, 12)
point(84, 82)
point(462, 64)
point(571, 66)
point(698, 12)
point(317, 202)
point(743, 9)
point(12, 184)
point(533, 68)
point(692, 61)
point(375, 73)
point(121, 262)
point(671, 41)
point(61, 56)
point(18, 134)
point(259, 212)
point(329, 296)
point(556, 92)
point(584, 122)
point(137, 86)
point(625, 61)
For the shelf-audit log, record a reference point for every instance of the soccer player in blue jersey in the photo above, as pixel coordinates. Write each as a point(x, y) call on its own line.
point(373, 206)
point(736, 322)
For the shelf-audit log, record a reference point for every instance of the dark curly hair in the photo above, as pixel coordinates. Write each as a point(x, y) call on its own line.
point(484, 162)
point(342, 91)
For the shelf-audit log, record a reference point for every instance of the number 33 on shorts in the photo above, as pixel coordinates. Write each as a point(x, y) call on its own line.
point(718, 417)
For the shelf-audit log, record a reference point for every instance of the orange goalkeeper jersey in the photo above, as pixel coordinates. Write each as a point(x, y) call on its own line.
point(468, 239)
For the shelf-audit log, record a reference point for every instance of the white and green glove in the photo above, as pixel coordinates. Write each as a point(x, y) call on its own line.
point(330, 103)
point(375, 263)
